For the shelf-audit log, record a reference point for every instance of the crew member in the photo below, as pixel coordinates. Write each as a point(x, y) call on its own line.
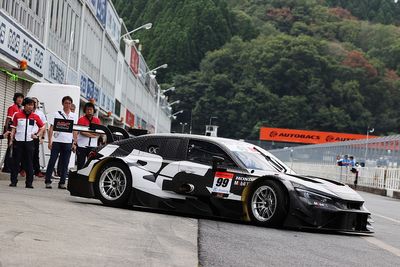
point(86, 141)
point(23, 127)
point(60, 143)
point(14, 108)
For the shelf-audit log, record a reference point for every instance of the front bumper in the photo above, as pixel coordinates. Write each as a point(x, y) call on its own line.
point(79, 185)
point(345, 217)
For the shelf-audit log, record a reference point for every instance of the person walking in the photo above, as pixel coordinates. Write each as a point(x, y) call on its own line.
point(23, 130)
point(14, 108)
point(86, 141)
point(39, 141)
point(60, 144)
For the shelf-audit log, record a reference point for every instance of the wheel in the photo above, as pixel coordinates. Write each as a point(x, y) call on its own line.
point(113, 184)
point(266, 204)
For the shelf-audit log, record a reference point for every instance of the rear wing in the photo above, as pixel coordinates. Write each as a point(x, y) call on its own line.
point(113, 133)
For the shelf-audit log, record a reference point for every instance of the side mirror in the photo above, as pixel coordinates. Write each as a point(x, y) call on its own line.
point(216, 161)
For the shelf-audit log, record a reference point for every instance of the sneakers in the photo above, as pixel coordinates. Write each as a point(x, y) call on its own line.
point(48, 186)
point(12, 185)
point(39, 174)
point(62, 186)
point(22, 173)
point(29, 186)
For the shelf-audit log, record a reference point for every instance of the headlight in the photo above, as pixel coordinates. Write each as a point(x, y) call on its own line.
point(312, 198)
point(312, 195)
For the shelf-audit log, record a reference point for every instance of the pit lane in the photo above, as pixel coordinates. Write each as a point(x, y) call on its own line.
point(41, 227)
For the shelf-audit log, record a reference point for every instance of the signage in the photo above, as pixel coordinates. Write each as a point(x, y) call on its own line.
point(134, 61)
point(55, 68)
point(63, 125)
point(89, 89)
point(305, 136)
point(130, 118)
point(113, 24)
point(83, 85)
point(17, 44)
point(101, 11)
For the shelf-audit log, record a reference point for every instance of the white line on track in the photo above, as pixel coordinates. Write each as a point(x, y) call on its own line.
point(387, 218)
point(382, 245)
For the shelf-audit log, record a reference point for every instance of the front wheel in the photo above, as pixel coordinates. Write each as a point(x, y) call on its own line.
point(266, 204)
point(114, 184)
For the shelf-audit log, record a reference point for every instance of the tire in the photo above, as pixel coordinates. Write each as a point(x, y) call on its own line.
point(113, 184)
point(266, 204)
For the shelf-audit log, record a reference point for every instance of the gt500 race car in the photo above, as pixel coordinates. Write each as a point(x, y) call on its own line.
point(216, 177)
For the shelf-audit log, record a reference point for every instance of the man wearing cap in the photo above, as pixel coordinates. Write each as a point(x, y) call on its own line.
point(24, 132)
point(86, 141)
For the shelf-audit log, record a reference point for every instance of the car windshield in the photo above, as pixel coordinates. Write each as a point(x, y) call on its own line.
point(256, 159)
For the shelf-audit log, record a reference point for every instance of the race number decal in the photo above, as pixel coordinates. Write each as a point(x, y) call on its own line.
point(222, 182)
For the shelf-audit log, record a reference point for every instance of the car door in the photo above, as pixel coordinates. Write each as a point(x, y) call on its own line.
point(196, 176)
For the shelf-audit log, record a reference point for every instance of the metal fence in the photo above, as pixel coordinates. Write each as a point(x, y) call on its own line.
point(381, 157)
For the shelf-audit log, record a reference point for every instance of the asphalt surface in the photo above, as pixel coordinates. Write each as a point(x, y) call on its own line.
point(231, 244)
point(41, 227)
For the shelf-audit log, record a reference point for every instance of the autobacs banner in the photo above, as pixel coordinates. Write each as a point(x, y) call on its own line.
point(306, 136)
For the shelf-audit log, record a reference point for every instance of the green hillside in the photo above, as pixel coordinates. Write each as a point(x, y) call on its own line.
point(306, 64)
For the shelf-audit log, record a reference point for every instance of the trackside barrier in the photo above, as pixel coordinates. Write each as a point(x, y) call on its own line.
point(374, 177)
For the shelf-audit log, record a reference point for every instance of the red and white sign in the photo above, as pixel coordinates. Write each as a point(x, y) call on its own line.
point(134, 60)
point(130, 118)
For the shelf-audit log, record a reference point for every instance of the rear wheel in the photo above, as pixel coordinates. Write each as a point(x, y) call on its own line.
point(114, 184)
point(266, 204)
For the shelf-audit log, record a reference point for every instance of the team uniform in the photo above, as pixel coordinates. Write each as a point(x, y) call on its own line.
point(85, 144)
point(14, 108)
point(62, 144)
point(25, 125)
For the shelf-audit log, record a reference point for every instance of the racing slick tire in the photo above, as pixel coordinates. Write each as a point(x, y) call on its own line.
point(266, 204)
point(113, 184)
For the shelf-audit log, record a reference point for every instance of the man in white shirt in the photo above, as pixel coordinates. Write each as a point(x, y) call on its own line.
point(60, 143)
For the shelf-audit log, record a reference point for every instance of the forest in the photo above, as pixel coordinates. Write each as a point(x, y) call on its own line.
point(329, 65)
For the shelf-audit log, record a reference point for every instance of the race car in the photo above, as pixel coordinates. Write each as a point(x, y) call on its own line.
point(212, 176)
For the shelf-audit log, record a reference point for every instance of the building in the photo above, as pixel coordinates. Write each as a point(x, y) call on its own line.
point(78, 42)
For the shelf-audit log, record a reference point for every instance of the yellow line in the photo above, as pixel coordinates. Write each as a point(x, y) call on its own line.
point(382, 245)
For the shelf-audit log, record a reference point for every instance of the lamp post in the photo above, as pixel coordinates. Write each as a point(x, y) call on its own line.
point(146, 26)
point(366, 143)
point(183, 126)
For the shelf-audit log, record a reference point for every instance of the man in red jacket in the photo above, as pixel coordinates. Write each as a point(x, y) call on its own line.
point(86, 141)
point(14, 108)
point(24, 132)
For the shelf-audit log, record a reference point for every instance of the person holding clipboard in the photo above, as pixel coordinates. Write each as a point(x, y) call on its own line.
point(60, 144)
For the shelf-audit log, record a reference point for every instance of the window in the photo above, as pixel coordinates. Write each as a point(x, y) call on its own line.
point(168, 148)
point(202, 152)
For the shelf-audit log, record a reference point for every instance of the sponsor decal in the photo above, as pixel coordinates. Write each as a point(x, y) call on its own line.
point(243, 181)
point(62, 125)
point(222, 183)
point(305, 136)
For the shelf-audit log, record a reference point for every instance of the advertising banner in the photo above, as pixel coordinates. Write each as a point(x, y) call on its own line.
point(55, 70)
point(305, 136)
point(17, 44)
point(101, 11)
point(134, 61)
point(130, 118)
point(113, 25)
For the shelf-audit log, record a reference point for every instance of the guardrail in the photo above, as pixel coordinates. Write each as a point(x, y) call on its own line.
point(372, 177)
